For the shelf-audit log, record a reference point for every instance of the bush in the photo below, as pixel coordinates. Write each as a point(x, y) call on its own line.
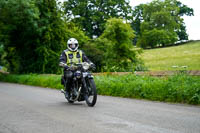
point(179, 88)
point(119, 54)
point(95, 52)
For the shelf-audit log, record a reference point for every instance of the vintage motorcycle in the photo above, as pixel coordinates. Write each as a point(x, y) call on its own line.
point(83, 87)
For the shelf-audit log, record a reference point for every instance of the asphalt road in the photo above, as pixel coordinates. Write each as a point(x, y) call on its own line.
point(27, 109)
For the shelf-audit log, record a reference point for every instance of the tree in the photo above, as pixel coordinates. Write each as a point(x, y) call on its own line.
point(95, 51)
point(1, 54)
point(183, 10)
point(118, 36)
point(91, 15)
point(159, 24)
point(53, 36)
point(162, 15)
point(151, 38)
point(34, 34)
point(138, 19)
point(18, 22)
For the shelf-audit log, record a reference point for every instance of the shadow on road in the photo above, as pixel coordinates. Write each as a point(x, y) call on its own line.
point(73, 104)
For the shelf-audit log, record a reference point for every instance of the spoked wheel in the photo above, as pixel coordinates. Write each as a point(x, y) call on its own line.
point(68, 95)
point(68, 99)
point(91, 96)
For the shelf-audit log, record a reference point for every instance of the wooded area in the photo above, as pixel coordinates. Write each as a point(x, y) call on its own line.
point(33, 33)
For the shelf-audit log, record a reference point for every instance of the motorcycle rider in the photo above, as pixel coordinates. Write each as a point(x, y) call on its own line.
point(70, 56)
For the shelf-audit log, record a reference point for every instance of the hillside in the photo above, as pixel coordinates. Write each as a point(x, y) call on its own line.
point(173, 58)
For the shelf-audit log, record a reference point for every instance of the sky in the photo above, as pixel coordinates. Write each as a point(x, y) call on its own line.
point(192, 22)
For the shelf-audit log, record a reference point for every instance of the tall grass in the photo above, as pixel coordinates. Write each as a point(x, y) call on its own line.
point(50, 81)
point(182, 55)
point(178, 88)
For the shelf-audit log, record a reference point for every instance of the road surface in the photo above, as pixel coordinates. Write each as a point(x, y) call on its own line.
point(27, 109)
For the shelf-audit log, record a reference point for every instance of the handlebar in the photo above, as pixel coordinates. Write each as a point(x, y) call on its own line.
point(75, 66)
point(84, 66)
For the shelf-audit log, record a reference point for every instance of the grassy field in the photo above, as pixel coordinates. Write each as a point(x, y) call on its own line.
point(178, 88)
point(182, 55)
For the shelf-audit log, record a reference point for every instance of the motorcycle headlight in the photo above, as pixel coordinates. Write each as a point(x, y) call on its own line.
point(86, 66)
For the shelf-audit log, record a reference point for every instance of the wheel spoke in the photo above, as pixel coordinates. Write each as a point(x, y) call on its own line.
point(91, 96)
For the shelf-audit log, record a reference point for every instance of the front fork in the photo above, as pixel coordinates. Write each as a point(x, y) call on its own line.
point(85, 89)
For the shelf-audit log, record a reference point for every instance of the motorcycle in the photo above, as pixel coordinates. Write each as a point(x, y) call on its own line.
point(83, 87)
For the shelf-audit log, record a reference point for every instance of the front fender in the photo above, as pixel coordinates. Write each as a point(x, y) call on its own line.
point(90, 76)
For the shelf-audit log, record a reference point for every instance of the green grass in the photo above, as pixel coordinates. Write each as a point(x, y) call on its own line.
point(50, 81)
point(178, 88)
point(182, 55)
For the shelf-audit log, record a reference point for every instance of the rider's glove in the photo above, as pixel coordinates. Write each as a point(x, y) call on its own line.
point(66, 67)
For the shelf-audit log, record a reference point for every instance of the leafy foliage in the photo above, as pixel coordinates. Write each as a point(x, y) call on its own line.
point(160, 17)
point(119, 54)
point(183, 10)
point(155, 37)
point(15, 36)
point(177, 88)
point(34, 35)
point(113, 50)
point(95, 51)
point(91, 15)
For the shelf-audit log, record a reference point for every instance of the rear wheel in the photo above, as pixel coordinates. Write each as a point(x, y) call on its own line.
point(91, 95)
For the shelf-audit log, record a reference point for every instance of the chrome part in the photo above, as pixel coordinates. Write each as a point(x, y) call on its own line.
point(90, 76)
point(86, 65)
point(85, 74)
point(62, 91)
point(62, 64)
point(79, 92)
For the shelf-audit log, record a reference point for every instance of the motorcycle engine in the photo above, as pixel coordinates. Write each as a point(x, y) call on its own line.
point(78, 74)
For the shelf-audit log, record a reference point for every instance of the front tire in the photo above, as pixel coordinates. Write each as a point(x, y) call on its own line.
point(91, 95)
point(67, 96)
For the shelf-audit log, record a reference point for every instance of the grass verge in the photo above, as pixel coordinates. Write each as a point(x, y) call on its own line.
point(179, 88)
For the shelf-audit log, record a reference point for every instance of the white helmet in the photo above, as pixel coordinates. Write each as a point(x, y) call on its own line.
point(72, 44)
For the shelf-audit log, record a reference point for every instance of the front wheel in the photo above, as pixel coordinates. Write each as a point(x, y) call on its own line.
point(67, 94)
point(91, 95)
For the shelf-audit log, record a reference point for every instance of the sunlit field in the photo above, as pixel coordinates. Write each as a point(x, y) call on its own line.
point(182, 57)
